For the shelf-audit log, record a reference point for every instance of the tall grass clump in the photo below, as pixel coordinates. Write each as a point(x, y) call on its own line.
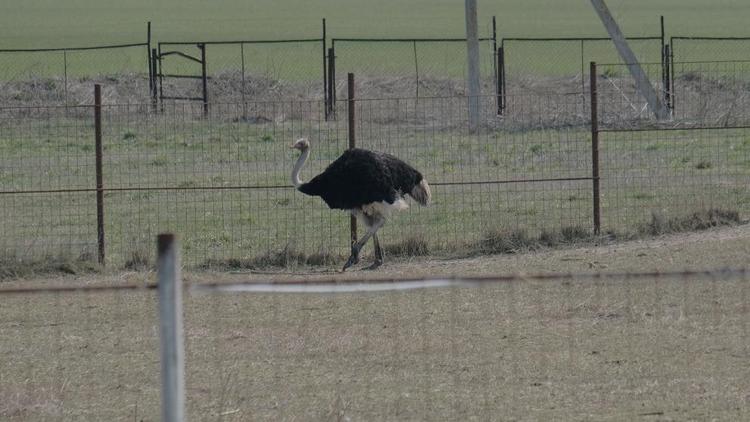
point(699, 220)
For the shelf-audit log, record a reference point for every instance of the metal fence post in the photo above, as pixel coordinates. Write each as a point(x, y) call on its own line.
point(204, 79)
point(99, 173)
point(149, 58)
point(331, 82)
point(325, 71)
point(352, 140)
point(154, 88)
point(416, 68)
point(170, 319)
point(494, 40)
point(242, 74)
point(499, 81)
point(595, 149)
point(670, 76)
point(65, 78)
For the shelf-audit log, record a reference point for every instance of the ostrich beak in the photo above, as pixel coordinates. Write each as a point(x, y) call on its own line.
point(291, 146)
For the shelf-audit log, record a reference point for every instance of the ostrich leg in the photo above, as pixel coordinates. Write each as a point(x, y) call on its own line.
point(378, 253)
point(356, 247)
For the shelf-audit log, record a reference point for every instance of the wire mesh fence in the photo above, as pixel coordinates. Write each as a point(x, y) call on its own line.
point(387, 68)
point(523, 173)
point(265, 70)
point(597, 346)
point(240, 71)
point(652, 170)
point(661, 181)
point(561, 65)
point(712, 93)
point(699, 94)
point(222, 179)
point(621, 104)
point(64, 76)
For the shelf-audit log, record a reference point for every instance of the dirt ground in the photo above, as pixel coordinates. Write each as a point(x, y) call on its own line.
point(655, 349)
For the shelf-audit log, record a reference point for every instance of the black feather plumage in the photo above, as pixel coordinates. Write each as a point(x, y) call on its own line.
point(360, 177)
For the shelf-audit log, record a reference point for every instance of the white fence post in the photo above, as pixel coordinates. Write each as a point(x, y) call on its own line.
point(170, 317)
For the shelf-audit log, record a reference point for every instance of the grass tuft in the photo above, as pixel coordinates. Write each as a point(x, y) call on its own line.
point(700, 220)
point(13, 268)
point(138, 261)
point(505, 241)
point(409, 247)
point(703, 165)
point(514, 241)
point(285, 258)
point(564, 236)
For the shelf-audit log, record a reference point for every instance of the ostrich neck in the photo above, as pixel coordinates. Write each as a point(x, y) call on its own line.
point(298, 166)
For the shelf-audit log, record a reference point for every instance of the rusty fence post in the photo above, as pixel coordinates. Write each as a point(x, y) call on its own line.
point(595, 150)
point(352, 140)
point(99, 173)
point(331, 107)
point(204, 79)
point(325, 71)
point(149, 57)
point(668, 77)
point(500, 74)
point(154, 86)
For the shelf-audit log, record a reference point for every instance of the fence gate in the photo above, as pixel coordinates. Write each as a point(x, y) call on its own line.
point(178, 61)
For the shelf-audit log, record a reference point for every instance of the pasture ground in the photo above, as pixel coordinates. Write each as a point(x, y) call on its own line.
point(655, 349)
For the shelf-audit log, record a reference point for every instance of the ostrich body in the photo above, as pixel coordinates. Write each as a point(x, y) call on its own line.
point(368, 184)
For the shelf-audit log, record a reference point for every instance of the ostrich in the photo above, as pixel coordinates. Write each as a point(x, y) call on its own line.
point(368, 184)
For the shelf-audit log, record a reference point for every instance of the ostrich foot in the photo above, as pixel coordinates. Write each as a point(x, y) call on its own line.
point(375, 265)
point(353, 259)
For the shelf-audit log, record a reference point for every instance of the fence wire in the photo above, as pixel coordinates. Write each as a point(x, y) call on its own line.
point(222, 180)
point(562, 65)
point(267, 70)
point(699, 94)
point(64, 76)
point(410, 67)
point(664, 181)
point(629, 345)
point(241, 71)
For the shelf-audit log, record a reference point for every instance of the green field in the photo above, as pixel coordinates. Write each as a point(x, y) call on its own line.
point(46, 24)
point(250, 211)
point(49, 23)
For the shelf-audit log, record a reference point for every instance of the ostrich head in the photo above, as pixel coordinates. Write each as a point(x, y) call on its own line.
point(302, 144)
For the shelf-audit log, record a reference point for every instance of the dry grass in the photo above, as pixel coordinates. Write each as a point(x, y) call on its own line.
point(410, 247)
point(27, 401)
point(504, 241)
point(288, 258)
point(15, 269)
point(699, 220)
point(582, 350)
